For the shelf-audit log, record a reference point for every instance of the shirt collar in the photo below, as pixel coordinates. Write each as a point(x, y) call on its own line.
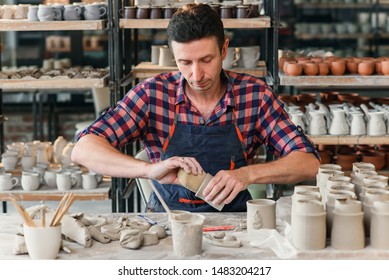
point(228, 98)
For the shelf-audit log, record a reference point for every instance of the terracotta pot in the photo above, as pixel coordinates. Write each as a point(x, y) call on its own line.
point(293, 69)
point(346, 160)
point(311, 69)
point(378, 68)
point(316, 59)
point(326, 156)
point(376, 158)
point(329, 96)
point(324, 68)
point(385, 67)
point(288, 99)
point(282, 60)
point(366, 68)
point(338, 67)
point(352, 67)
point(348, 97)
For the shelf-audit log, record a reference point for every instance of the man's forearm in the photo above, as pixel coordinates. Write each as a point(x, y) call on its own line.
point(97, 154)
point(295, 167)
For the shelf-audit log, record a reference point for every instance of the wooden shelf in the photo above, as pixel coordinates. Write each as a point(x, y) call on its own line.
point(249, 23)
point(53, 83)
point(146, 70)
point(349, 140)
point(45, 193)
point(334, 36)
point(351, 81)
point(26, 25)
point(335, 6)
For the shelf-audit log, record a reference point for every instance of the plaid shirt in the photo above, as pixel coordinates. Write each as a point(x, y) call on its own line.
point(147, 113)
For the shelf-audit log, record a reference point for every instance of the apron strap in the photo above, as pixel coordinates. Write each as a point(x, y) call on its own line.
point(171, 131)
point(191, 201)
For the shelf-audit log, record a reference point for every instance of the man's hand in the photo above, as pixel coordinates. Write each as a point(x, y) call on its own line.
point(226, 185)
point(165, 171)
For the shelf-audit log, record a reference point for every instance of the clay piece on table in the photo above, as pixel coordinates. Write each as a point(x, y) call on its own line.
point(149, 238)
point(131, 238)
point(98, 235)
point(159, 230)
point(137, 223)
point(112, 230)
point(222, 240)
point(20, 247)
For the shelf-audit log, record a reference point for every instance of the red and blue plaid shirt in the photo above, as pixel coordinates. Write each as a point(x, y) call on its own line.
point(147, 112)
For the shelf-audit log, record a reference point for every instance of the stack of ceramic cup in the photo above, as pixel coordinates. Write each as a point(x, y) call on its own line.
point(308, 219)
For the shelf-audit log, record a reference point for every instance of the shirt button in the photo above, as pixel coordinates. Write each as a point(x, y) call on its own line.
point(202, 121)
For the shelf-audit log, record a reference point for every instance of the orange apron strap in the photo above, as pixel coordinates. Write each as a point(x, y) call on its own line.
point(240, 136)
point(190, 201)
point(171, 131)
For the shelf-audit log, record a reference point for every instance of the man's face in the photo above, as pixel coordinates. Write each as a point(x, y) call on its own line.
point(200, 62)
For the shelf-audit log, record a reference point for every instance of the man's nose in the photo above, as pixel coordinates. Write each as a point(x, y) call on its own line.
point(197, 71)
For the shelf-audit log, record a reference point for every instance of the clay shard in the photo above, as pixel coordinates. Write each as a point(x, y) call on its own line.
point(189, 180)
point(131, 239)
point(223, 240)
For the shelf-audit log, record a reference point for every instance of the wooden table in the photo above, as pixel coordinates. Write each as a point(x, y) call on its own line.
point(164, 250)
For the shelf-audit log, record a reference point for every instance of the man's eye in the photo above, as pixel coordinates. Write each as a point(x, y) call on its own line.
point(184, 62)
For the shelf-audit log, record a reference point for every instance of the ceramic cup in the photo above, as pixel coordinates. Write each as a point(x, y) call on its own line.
point(165, 57)
point(7, 181)
point(58, 11)
point(128, 12)
point(21, 11)
point(8, 11)
point(10, 161)
point(77, 175)
point(143, 12)
point(231, 58)
point(45, 13)
point(64, 181)
point(243, 11)
point(50, 178)
point(30, 181)
point(89, 180)
point(249, 57)
point(42, 243)
point(155, 53)
point(261, 214)
point(184, 228)
point(94, 11)
point(72, 12)
point(28, 162)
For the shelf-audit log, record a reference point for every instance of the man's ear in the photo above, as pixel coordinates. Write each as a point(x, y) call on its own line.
point(225, 48)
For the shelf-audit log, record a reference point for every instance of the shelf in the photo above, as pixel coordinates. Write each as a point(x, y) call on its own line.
point(53, 83)
point(334, 6)
point(260, 22)
point(335, 36)
point(26, 25)
point(349, 140)
point(146, 70)
point(45, 193)
point(331, 81)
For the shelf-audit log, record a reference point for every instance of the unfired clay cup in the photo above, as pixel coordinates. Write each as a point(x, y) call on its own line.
point(261, 214)
point(42, 243)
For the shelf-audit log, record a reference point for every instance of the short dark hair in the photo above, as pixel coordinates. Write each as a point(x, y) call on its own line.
point(194, 22)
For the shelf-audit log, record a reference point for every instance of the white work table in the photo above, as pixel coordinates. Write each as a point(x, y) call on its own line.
point(163, 251)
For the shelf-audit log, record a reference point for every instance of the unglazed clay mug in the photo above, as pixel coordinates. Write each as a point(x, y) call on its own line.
point(89, 181)
point(8, 11)
point(7, 182)
point(65, 181)
point(21, 11)
point(249, 57)
point(45, 13)
point(128, 12)
point(261, 214)
point(72, 12)
point(33, 13)
point(30, 181)
point(10, 161)
point(94, 11)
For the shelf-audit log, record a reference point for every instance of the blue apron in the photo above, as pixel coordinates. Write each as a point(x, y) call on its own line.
point(215, 148)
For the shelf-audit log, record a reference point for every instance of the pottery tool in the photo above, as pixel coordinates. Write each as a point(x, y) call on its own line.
point(26, 217)
point(150, 221)
point(63, 207)
point(164, 205)
point(218, 228)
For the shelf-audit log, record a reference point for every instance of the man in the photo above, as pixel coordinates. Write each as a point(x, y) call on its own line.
point(202, 119)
